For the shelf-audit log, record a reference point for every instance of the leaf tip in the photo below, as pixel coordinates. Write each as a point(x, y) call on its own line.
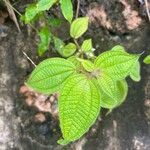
point(63, 142)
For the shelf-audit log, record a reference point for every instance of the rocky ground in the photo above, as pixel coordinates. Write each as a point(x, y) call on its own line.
point(28, 120)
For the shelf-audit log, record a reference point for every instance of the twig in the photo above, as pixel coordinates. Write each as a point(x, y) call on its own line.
point(78, 7)
point(77, 44)
point(12, 13)
point(29, 58)
point(147, 9)
point(20, 15)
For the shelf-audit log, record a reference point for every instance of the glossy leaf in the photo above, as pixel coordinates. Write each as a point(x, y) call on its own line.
point(69, 49)
point(48, 77)
point(45, 37)
point(109, 102)
point(147, 60)
point(79, 106)
point(79, 27)
point(87, 45)
point(135, 72)
point(118, 64)
point(67, 9)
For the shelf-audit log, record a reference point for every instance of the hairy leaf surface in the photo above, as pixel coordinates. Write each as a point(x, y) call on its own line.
point(79, 106)
point(87, 64)
point(108, 85)
point(67, 9)
point(87, 45)
point(49, 76)
point(79, 27)
point(69, 49)
point(75, 61)
point(109, 102)
point(118, 64)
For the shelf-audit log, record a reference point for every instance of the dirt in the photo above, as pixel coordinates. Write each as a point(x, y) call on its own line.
point(24, 126)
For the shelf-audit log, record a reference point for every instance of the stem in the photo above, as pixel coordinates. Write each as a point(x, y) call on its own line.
point(79, 48)
point(147, 9)
point(29, 58)
point(77, 44)
point(20, 15)
point(78, 7)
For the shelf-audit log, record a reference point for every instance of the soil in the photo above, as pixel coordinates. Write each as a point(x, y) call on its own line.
point(126, 128)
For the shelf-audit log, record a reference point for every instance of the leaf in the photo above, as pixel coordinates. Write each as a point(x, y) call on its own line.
point(45, 37)
point(59, 44)
point(30, 13)
point(135, 72)
point(48, 77)
point(33, 9)
point(87, 45)
point(147, 60)
point(69, 49)
point(87, 65)
point(108, 85)
point(75, 61)
point(43, 5)
point(67, 9)
point(118, 64)
point(110, 103)
point(54, 22)
point(79, 27)
point(118, 48)
point(79, 106)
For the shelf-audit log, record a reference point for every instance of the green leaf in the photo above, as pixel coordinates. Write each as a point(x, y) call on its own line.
point(69, 49)
point(147, 60)
point(67, 9)
point(48, 77)
point(135, 72)
point(75, 61)
point(118, 64)
point(87, 65)
point(43, 5)
point(79, 27)
point(63, 142)
point(79, 106)
point(121, 90)
point(30, 13)
point(118, 48)
point(59, 44)
point(54, 22)
point(87, 45)
point(108, 85)
point(45, 37)
point(34, 9)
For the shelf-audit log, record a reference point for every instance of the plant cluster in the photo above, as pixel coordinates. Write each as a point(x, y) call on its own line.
point(86, 83)
point(39, 10)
